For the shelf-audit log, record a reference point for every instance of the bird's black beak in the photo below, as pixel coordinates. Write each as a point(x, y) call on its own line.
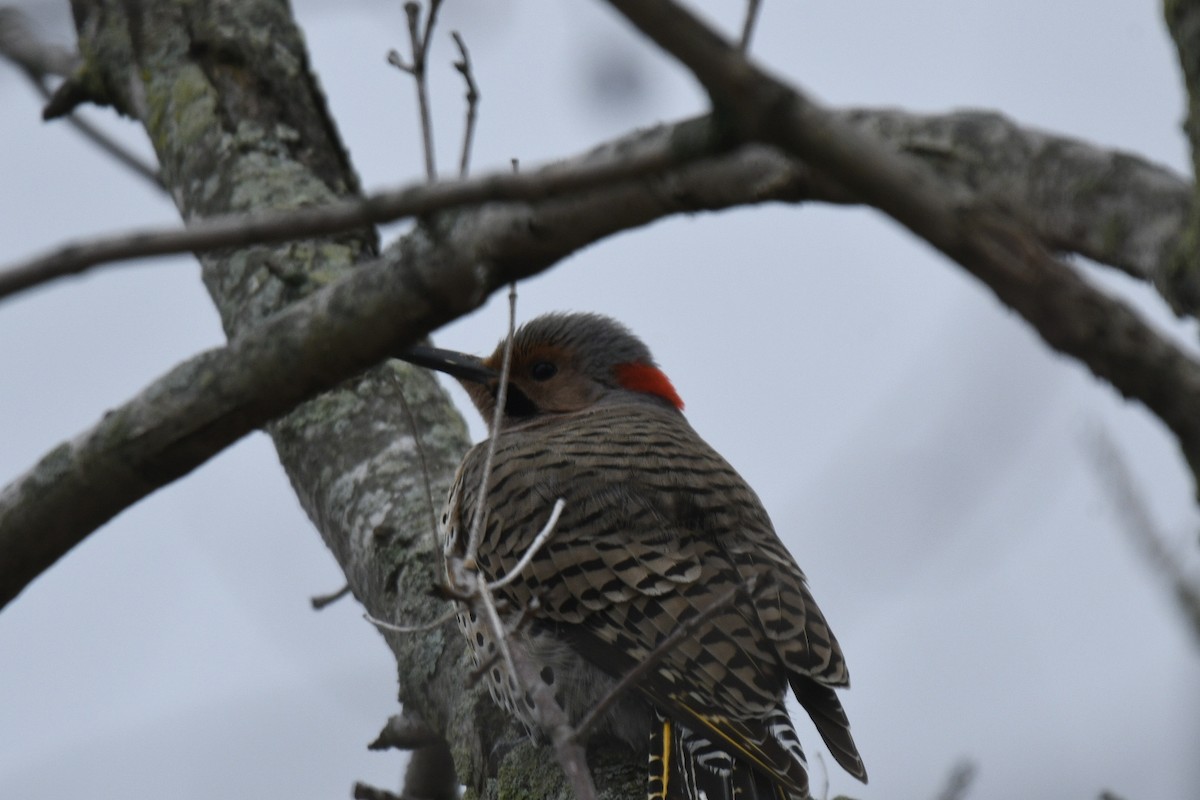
point(456, 365)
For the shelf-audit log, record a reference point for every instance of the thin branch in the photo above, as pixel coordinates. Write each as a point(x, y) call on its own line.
point(396, 60)
point(543, 536)
point(419, 41)
point(470, 586)
point(113, 148)
point(39, 60)
point(428, 626)
point(479, 521)
point(465, 572)
point(463, 65)
point(430, 21)
point(404, 731)
point(661, 651)
point(323, 600)
point(426, 478)
point(752, 9)
point(34, 56)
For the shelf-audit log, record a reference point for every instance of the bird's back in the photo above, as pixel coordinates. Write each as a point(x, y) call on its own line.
point(657, 527)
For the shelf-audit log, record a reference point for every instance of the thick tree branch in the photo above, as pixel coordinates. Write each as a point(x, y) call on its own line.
point(267, 227)
point(272, 367)
point(1070, 314)
point(1109, 206)
point(210, 401)
point(1112, 207)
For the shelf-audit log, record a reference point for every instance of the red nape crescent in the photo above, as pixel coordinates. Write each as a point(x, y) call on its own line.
point(651, 380)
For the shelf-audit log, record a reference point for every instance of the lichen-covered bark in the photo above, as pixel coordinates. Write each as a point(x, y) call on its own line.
point(238, 124)
point(1112, 207)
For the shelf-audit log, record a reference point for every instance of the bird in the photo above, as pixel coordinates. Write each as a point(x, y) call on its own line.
point(656, 526)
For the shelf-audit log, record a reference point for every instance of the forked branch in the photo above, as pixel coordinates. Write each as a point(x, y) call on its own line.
point(419, 37)
point(463, 65)
point(1104, 333)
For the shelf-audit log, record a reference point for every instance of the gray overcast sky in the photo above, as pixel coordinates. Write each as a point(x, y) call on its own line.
point(923, 454)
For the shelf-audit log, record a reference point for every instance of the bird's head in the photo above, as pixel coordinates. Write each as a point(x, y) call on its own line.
point(561, 363)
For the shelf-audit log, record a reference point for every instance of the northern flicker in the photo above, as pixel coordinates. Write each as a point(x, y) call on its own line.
point(656, 526)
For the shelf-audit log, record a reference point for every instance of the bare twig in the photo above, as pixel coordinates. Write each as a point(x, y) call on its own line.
point(463, 65)
point(114, 149)
point(428, 626)
point(479, 521)
point(419, 40)
point(661, 651)
point(468, 571)
point(430, 21)
point(470, 586)
point(752, 9)
point(425, 476)
point(396, 60)
point(404, 731)
point(543, 536)
point(320, 601)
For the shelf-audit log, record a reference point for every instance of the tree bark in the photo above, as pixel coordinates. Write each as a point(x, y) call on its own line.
point(239, 124)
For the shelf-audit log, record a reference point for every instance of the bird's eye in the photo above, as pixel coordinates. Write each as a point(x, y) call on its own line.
point(543, 370)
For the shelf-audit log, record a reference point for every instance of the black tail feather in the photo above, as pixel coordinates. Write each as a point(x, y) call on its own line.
point(822, 704)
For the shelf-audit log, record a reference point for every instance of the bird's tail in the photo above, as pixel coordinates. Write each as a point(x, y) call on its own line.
point(687, 766)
